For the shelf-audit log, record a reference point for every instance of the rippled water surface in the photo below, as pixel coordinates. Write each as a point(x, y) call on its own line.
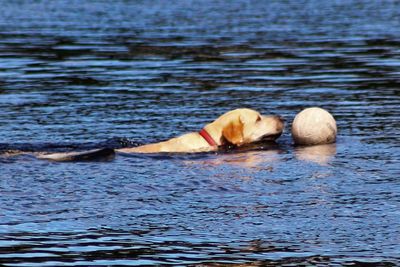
point(84, 74)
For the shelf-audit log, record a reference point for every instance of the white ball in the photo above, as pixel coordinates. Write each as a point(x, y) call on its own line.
point(314, 126)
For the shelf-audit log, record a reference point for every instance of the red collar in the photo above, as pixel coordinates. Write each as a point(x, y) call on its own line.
point(207, 137)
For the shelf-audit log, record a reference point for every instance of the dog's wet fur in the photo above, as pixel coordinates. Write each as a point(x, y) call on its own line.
point(234, 129)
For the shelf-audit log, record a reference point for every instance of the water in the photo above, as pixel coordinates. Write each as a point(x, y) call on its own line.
point(83, 74)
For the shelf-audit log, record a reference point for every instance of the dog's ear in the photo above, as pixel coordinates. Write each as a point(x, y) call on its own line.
point(233, 132)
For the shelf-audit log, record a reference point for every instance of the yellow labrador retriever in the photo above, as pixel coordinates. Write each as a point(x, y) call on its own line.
point(237, 127)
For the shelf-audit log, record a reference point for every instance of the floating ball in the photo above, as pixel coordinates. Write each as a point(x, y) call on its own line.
point(314, 126)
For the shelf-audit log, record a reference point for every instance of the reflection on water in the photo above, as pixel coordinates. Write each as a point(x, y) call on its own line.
point(321, 154)
point(87, 74)
point(251, 157)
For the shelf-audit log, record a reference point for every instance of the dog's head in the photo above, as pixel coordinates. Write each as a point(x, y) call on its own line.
point(244, 126)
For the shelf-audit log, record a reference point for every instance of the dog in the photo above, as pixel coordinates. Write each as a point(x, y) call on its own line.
point(237, 127)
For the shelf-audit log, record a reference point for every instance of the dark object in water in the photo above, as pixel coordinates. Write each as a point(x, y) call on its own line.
point(95, 154)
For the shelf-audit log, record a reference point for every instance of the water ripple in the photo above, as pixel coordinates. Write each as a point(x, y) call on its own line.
point(83, 74)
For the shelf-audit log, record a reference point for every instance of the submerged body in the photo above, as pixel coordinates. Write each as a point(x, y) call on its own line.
point(237, 127)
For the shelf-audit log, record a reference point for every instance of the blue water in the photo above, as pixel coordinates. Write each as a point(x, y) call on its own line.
point(85, 74)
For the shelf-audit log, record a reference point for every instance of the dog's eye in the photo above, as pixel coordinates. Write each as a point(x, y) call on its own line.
point(258, 119)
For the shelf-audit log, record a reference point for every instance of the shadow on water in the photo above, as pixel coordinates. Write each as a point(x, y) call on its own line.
point(83, 75)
